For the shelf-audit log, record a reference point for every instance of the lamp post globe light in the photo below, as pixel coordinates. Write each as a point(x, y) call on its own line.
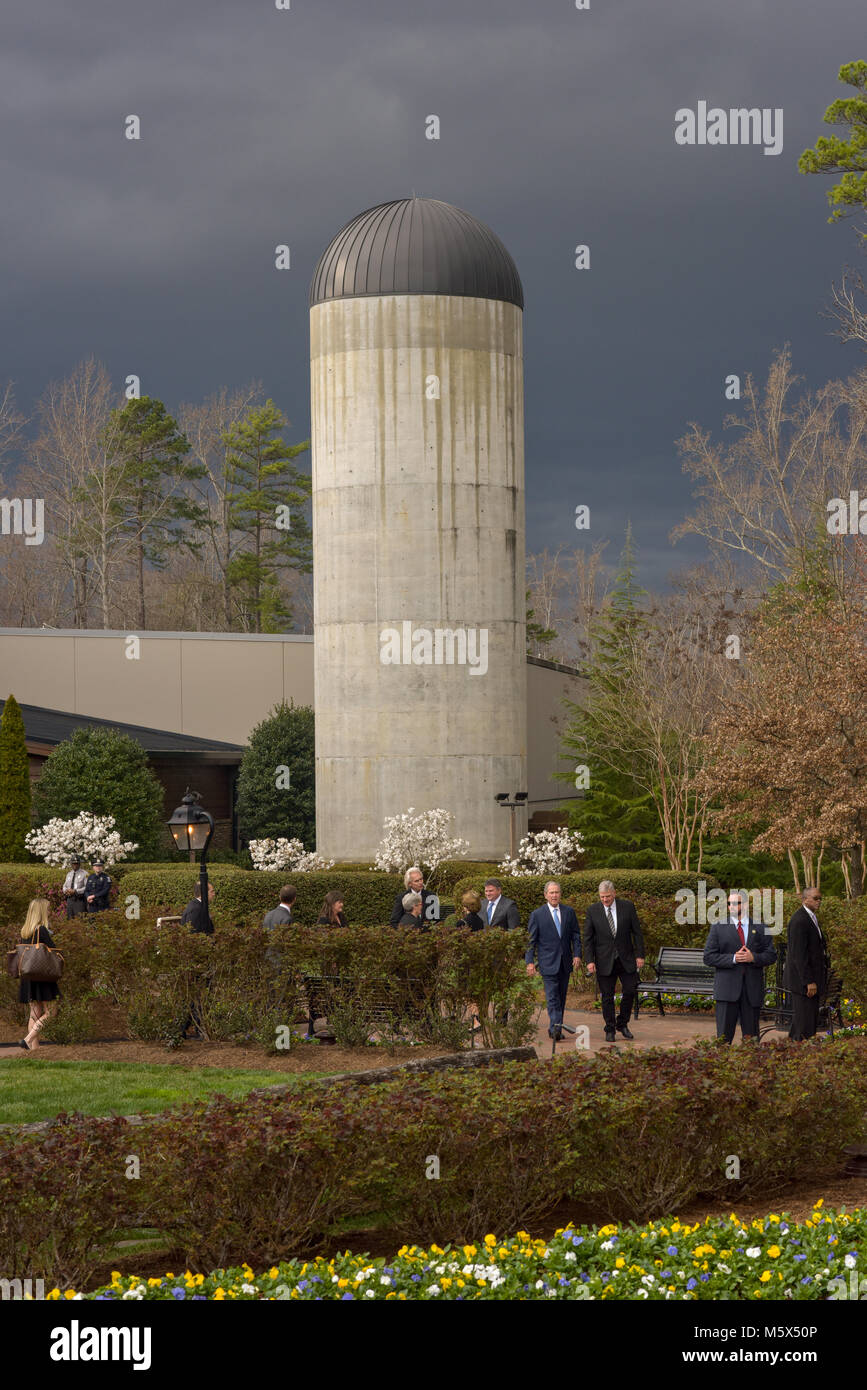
point(192, 828)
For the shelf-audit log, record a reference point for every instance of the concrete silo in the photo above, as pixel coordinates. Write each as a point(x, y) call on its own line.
point(418, 526)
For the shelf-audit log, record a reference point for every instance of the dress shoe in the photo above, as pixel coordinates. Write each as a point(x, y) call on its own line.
point(25, 1044)
point(626, 1033)
point(609, 1035)
point(557, 1034)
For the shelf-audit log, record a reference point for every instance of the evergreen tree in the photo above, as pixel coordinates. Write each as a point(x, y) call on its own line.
point(14, 785)
point(107, 773)
point(617, 821)
point(150, 452)
point(537, 635)
point(276, 783)
point(266, 504)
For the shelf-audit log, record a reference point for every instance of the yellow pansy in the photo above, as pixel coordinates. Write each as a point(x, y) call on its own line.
point(219, 1295)
point(765, 1276)
point(774, 1252)
point(619, 1262)
point(490, 1240)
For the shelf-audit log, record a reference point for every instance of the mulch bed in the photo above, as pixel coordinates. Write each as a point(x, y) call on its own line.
point(306, 1057)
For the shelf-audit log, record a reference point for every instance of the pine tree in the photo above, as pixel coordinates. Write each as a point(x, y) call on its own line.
point(14, 784)
point(266, 504)
point(617, 821)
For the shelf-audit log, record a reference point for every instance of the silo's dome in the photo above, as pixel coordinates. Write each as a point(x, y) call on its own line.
point(416, 246)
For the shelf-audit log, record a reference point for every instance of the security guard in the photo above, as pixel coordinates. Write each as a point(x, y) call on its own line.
point(97, 889)
point(74, 889)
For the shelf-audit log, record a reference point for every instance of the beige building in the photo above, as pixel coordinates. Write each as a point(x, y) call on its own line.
point(218, 686)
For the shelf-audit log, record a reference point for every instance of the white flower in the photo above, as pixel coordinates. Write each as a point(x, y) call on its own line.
point(434, 1289)
point(86, 835)
point(539, 1284)
point(648, 1279)
point(850, 1261)
point(753, 1252)
point(641, 1293)
point(384, 1279)
point(131, 1293)
point(724, 1268)
point(280, 855)
point(369, 1293)
point(570, 1256)
point(249, 1288)
point(544, 852)
point(607, 1245)
point(420, 839)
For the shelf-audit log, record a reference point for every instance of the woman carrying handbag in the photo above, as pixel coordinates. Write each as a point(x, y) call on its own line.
point(40, 994)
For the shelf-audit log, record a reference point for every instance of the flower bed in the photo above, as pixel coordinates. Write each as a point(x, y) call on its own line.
point(719, 1259)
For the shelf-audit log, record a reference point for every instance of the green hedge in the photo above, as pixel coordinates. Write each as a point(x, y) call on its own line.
point(241, 895)
point(270, 1177)
point(150, 975)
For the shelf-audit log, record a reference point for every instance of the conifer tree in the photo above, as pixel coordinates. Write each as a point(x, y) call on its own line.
point(14, 784)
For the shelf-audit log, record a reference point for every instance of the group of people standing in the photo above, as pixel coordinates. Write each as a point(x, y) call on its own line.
point(86, 892)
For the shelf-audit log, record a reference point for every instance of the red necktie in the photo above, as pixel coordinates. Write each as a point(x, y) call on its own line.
point(741, 934)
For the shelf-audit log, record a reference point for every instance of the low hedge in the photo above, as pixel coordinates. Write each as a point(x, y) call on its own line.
point(270, 1177)
point(241, 895)
point(254, 980)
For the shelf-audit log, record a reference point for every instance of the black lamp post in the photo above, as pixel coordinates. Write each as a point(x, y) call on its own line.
point(519, 799)
point(192, 828)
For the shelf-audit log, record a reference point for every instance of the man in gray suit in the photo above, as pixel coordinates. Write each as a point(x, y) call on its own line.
point(738, 950)
point(281, 915)
point(498, 911)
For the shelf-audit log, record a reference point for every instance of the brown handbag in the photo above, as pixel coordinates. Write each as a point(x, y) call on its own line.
point(12, 963)
point(38, 963)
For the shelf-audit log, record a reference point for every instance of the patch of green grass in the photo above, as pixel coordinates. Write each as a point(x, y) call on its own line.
point(46, 1087)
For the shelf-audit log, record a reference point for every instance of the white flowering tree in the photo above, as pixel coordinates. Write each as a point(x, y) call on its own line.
point(88, 836)
point(418, 837)
point(283, 854)
point(544, 852)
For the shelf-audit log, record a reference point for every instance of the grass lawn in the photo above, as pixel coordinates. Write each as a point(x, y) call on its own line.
point(35, 1089)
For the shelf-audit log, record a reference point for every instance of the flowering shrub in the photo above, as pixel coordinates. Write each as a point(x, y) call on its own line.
point(772, 1258)
point(88, 836)
point(418, 837)
point(286, 854)
point(544, 852)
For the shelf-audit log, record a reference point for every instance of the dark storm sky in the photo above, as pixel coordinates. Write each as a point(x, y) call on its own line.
point(262, 126)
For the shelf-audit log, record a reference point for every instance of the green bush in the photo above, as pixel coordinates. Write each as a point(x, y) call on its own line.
point(241, 896)
point(107, 773)
point(273, 1176)
point(265, 810)
point(14, 783)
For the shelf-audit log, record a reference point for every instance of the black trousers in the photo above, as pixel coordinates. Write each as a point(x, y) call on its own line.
point(730, 1013)
point(805, 1017)
point(75, 907)
point(629, 987)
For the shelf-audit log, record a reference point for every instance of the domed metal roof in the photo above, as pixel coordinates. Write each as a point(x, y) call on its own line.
point(416, 246)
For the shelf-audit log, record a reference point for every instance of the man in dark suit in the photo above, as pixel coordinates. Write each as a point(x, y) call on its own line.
point(738, 950)
point(498, 911)
point(555, 942)
point(806, 969)
point(413, 881)
point(614, 949)
point(281, 915)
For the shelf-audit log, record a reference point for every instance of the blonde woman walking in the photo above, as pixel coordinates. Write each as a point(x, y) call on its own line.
point(40, 995)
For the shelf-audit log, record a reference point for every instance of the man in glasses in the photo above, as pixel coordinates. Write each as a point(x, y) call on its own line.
point(738, 950)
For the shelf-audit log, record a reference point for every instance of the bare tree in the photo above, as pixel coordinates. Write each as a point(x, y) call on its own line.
point(567, 591)
point(764, 497)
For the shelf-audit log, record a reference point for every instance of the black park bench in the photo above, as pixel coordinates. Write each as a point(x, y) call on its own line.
point(381, 1003)
point(679, 970)
point(777, 1010)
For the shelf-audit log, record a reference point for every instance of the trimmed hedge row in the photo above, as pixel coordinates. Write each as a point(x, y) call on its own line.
point(254, 980)
point(267, 1178)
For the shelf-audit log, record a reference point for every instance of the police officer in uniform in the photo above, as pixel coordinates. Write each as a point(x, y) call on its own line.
point(97, 889)
point(74, 889)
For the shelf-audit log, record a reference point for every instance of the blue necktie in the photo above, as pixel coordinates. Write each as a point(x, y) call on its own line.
point(490, 910)
point(556, 912)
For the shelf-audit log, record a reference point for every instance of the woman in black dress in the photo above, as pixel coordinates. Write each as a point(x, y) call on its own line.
point(332, 910)
point(39, 995)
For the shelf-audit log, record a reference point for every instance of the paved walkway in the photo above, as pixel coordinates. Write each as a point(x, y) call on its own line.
point(649, 1029)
